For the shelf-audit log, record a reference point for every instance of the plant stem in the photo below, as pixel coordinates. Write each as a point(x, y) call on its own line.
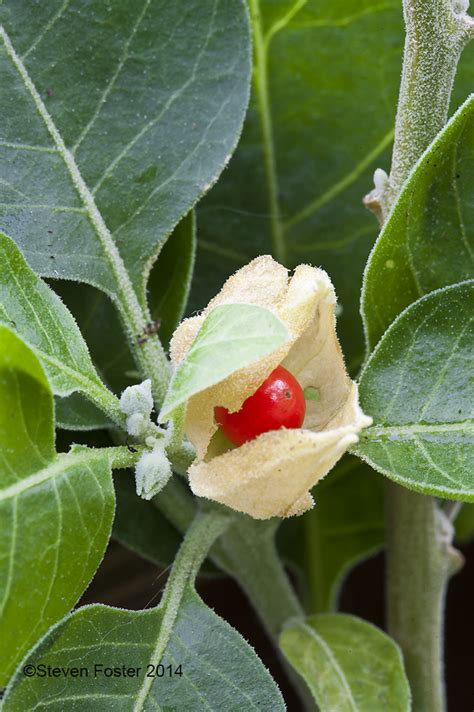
point(150, 356)
point(122, 458)
point(435, 37)
point(420, 559)
point(248, 553)
point(153, 363)
point(204, 530)
point(206, 527)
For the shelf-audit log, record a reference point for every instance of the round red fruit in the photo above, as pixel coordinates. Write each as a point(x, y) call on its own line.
point(278, 403)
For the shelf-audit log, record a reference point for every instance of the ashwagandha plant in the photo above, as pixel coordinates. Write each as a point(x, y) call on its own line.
point(116, 119)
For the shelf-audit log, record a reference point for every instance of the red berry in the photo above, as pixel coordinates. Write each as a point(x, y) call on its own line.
point(278, 403)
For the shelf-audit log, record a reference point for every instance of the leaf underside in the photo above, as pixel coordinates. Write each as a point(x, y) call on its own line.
point(349, 665)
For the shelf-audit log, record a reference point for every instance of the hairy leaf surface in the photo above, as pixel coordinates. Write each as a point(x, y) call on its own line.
point(321, 117)
point(418, 386)
point(56, 510)
point(428, 241)
point(219, 670)
point(231, 337)
point(349, 665)
point(119, 117)
point(37, 314)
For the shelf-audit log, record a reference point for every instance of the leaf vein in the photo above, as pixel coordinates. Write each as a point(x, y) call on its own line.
point(123, 58)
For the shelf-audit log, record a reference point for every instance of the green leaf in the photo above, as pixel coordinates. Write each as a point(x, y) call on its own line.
point(170, 279)
point(345, 527)
point(224, 675)
point(37, 314)
point(76, 413)
point(100, 325)
point(119, 118)
point(428, 241)
point(139, 525)
point(418, 388)
point(464, 523)
point(316, 130)
point(349, 665)
point(321, 117)
point(101, 328)
point(56, 510)
point(231, 337)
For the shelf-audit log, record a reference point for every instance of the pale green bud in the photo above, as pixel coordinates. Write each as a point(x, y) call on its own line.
point(152, 472)
point(137, 399)
point(137, 425)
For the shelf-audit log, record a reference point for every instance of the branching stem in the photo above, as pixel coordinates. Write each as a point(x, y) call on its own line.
point(435, 38)
point(148, 353)
point(420, 558)
point(205, 528)
point(436, 33)
point(247, 552)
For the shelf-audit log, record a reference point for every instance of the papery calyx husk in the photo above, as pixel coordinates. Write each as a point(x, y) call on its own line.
point(273, 474)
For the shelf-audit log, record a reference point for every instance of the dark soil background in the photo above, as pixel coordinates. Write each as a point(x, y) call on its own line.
point(126, 580)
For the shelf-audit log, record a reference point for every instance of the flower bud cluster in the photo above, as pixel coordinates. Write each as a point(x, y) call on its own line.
point(137, 404)
point(153, 469)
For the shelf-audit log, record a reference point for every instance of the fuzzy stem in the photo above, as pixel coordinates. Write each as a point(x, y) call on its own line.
point(420, 561)
point(259, 571)
point(420, 558)
point(436, 33)
point(204, 530)
point(122, 458)
point(435, 37)
point(151, 359)
point(246, 552)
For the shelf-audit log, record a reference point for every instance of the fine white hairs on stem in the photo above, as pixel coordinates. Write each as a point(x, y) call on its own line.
point(152, 472)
